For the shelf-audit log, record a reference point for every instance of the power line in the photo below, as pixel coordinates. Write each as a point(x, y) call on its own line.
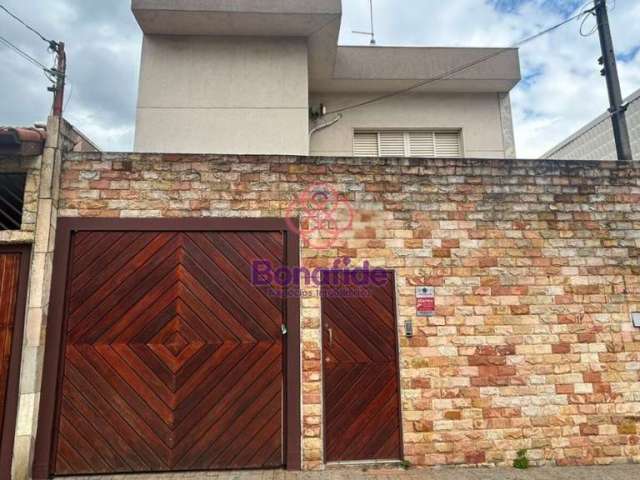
point(55, 74)
point(592, 11)
point(29, 27)
point(22, 53)
point(70, 96)
point(29, 58)
point(457, 69)
point(587, 12)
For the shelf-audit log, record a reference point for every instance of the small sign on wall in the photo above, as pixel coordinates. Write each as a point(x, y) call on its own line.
point(425, 301)
point(635, 318)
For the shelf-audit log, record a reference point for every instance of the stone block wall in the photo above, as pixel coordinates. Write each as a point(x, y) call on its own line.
point(40, 212)
point(536, 267)
point(38, 230)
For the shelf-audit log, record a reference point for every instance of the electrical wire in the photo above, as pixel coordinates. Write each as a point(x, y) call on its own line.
point(50, 73)
point(328, 124)
point(29, 27)
point(456, 70)
point(610, 7)
point(69, 97)
point(588, 12)
point(24, 54)
point(49, 77)
point(592, 31)
point(583, 8)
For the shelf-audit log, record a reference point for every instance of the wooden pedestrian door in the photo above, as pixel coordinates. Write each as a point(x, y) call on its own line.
point(360, 369)
point(173, 359)
point(9, 275)
point(14, 264)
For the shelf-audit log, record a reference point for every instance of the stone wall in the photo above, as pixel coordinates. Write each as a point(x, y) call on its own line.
point(536, 266)
point(40, 218)
point(40, 212)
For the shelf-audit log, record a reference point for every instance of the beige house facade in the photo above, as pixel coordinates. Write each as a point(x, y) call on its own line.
point(255, 77)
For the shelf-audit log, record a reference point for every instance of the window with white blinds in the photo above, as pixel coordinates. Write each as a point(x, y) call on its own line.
point(415, 143)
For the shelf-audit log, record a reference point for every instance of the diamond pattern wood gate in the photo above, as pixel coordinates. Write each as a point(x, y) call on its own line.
point(173, 360)
point(360, 368)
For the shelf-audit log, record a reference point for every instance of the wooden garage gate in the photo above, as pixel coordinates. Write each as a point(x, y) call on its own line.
point(170, 359)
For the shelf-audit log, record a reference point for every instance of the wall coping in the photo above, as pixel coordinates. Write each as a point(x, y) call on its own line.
point(550, 166)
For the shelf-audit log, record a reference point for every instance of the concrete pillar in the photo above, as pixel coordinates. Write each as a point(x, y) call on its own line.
point(506, 119)
point(38, 301)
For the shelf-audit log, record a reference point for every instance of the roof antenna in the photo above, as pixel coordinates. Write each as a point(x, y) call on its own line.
point(371, 33)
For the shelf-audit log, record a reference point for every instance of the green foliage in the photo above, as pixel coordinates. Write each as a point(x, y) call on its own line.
point(405, 464)
point(521, 462)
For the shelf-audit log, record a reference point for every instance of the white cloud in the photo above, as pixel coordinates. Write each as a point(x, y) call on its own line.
point(103, 46)
point(566, 90)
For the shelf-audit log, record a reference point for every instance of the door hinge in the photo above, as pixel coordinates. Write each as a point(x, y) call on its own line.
point(283, 327)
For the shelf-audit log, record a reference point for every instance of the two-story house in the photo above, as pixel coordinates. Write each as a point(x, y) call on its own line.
point(254, 77)
point(273, 301)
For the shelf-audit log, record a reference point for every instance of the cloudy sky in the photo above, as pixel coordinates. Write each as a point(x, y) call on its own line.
point(561, 90)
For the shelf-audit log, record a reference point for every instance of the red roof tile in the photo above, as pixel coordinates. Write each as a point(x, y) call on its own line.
point(22, 141)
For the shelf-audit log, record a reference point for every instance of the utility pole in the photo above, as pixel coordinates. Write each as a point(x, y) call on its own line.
point(610, 72)
point(60, 73)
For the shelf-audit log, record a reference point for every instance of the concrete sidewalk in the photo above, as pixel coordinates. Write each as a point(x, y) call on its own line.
point(610, 472)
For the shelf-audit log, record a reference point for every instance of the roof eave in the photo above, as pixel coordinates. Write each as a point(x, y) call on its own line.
point(22, 142)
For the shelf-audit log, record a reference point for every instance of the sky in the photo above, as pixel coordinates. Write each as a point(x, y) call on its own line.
point(561, 90)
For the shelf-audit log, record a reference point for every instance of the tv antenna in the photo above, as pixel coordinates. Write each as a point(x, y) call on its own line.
point(372, 32)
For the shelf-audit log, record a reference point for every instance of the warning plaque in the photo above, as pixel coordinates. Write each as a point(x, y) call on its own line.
point(425, 301)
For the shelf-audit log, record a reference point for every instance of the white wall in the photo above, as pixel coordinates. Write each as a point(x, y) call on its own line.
point(477, 114)
point(249, 95)
point(223, 95)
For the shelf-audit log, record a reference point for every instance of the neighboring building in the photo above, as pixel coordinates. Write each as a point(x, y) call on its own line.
point(241, 77)
point(595, 140)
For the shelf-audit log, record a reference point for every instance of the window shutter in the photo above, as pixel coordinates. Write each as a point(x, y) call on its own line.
point(391, 144)
point(365, 144)
point(448, 144)
point(412, 143)
point(422, 144)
